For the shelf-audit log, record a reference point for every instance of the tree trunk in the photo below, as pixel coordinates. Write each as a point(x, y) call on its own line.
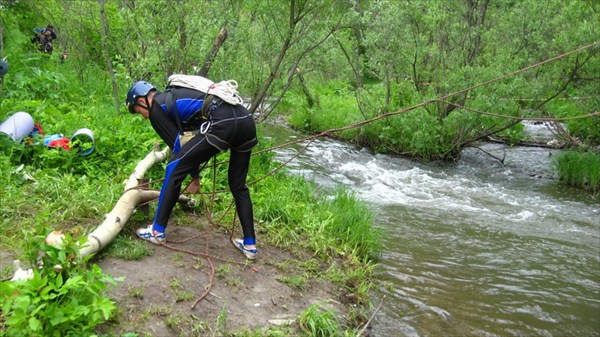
point(1, 38)
point(1, 53)
point(309, 100)
point(219, 41)
point(114, 221)
point(262, 92)
point(361, 50)
point(107, 57)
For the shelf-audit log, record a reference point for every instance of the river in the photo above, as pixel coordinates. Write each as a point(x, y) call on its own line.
point(475, 248)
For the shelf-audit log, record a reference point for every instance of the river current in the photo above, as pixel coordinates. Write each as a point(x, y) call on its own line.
point(475, 248)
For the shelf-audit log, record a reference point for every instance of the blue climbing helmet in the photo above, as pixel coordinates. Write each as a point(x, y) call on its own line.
point(138, 89)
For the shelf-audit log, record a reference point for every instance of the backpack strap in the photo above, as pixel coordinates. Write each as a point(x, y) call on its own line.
point(172, 106)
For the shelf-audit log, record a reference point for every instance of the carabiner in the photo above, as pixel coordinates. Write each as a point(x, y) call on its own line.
point(204, 127)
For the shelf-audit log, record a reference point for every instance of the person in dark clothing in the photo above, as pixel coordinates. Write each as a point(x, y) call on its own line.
point(44, 38)
point(212, 125)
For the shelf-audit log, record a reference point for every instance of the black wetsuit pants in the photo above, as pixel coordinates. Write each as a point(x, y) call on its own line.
point(231, 127)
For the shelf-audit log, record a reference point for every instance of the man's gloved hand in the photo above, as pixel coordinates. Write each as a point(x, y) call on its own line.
point(193, 187)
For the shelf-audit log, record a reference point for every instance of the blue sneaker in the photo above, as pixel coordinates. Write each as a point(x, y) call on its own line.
point(249, 253)
point(150, 235)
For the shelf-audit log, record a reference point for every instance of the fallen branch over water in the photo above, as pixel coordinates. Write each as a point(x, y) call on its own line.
point(371, 318)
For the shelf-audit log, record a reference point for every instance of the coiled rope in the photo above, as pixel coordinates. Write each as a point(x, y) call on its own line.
point(225, 90)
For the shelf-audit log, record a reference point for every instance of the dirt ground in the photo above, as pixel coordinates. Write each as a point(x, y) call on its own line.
point(158, 292)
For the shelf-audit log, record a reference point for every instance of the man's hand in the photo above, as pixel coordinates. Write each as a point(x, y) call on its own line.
point(193, 187)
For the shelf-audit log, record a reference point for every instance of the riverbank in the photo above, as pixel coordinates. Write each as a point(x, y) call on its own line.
point(158, 293)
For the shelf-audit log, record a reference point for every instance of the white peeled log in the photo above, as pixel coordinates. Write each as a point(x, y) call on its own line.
point(114, 221)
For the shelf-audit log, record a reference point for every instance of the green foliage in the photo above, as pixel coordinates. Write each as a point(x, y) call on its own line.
point(586, 129)
point(316, 321)
point(297, 282)
point(351, 224)
point(579, 169)
point(374, 58)
point(417, 132)
point(127, 248)
point(64, 297)
point(337, 108)
point(294, 209)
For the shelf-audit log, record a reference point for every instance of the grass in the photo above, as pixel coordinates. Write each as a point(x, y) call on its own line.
point(579, 169)
point(297, 282)
point(319, 322)
point(127, 248)
point(136, 292)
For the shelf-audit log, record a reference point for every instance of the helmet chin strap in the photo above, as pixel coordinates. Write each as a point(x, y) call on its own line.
point(147, 106)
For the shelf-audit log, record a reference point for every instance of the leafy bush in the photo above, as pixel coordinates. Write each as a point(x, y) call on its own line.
point(586, 129)
point(64, 298)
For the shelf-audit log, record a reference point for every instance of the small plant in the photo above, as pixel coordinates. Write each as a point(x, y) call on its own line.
point(199, 328)
point(295, 281)
point(159, 310)
point(221, 323)
point(174, 321)
point(64, 298)
point(136, 292)
point(183, 295)
point(317, 321)
point(175, 284)
point(223, 270)
point(234, 282)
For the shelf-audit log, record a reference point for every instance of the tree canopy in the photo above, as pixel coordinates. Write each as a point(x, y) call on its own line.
point(388, 54)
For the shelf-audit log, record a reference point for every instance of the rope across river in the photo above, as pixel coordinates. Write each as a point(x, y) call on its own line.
point(310, 139)
point(442, 99)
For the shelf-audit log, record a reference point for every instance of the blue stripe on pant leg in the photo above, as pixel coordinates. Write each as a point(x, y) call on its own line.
point(159, 227)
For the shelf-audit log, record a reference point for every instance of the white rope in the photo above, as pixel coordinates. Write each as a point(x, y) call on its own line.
point(225, 90)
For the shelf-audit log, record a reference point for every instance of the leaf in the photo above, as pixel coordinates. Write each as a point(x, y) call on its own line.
point(34, 312)
point(14, 320)
point(57, 318)
point(59, 280)
point(73, 282)
point(35, 324)
point(21, 304)
point(107, 309)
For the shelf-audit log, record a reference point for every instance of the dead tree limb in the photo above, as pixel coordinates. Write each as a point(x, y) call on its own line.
point(208, 61)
